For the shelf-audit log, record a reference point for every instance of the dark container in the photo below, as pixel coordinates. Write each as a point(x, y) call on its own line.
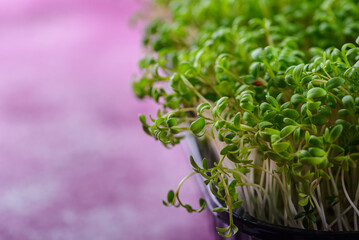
point(249, 227)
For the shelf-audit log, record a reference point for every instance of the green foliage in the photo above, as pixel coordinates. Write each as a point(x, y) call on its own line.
point(273, 79)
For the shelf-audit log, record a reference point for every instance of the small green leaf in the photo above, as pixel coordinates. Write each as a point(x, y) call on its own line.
point(205, 163)
point(193, 163)
point(297, 98)
point(237, 204)
point(188, 208)
point(237, 120)
point(272, 101)
point(348, 101)
point(264, 124)
point(143, 119)
point(286, 131)
point(290, 113)
point(343, 113)
point(316, 152)
point(316, 141)
point(312, 217)
point(171, 122)
point(159, 121)
point(312, 160)
point(316, 92)
point(335, 133)
point(297, 72)
point(304, 202)
point(202, 107)
point(302, 195)
point(170, 196)
point(272, 131)
point(334, 83)
point(299, 215)
point(307, 136)
point(281, 146)
point(290, 121)
point(197, 126)
point(296, 135)
point(202, 204)
point(223, 230)
point(312, 106)
point(219, 209)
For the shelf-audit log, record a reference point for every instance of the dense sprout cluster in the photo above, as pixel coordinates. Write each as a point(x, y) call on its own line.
point(277, 83)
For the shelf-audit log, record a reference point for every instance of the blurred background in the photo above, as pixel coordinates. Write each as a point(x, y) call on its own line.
point(74, 162)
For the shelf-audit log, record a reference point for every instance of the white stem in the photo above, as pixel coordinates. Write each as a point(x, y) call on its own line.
point(347, 195)
point(321, 206)
point(320, 211)
point(339, 217)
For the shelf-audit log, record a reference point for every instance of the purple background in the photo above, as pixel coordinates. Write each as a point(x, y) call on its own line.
point(74, 162)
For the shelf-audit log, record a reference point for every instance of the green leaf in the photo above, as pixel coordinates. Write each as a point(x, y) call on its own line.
point(193, 163)
point(286, 131)
point(264, 124)
point(197, 126)
point(237, 120)
point(316, 141)
point(296, 135)
point(219, 209)
point(335, 133)
point(290, 121)
point(334, 82)
point(159, 121)
point(302, 195)
point(202, 107)
point(143, 119)
point(348, 101)
point(313, 105)
point(343, 113)
point(223, 230)
point(205, 163)
point(237, 204)
point(202, 204)
point(247, 106)
point(171, 122)
point(299, 215)
point(188, 208)
point(170, 196)
point(272, 101)
point(312, 217)
point(316, 92)
point(290, 113)
point(272, 131)
point(312, 160)
point(316, 152)
point(281, 146)
point(297, 72)
point(304, 202)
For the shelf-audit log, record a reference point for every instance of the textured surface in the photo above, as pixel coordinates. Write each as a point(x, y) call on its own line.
point(74, 163)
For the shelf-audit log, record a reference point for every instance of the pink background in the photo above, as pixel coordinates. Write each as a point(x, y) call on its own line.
point(74, 162)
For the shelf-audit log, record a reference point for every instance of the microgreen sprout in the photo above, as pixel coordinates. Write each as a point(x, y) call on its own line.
point(276, 85)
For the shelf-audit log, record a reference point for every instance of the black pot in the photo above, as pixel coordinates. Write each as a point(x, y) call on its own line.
point(249, 227)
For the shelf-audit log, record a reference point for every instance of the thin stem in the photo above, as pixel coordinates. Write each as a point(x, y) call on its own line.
point(189, 85)
point(179, 187)
point(347, 195)
point(229, 201)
